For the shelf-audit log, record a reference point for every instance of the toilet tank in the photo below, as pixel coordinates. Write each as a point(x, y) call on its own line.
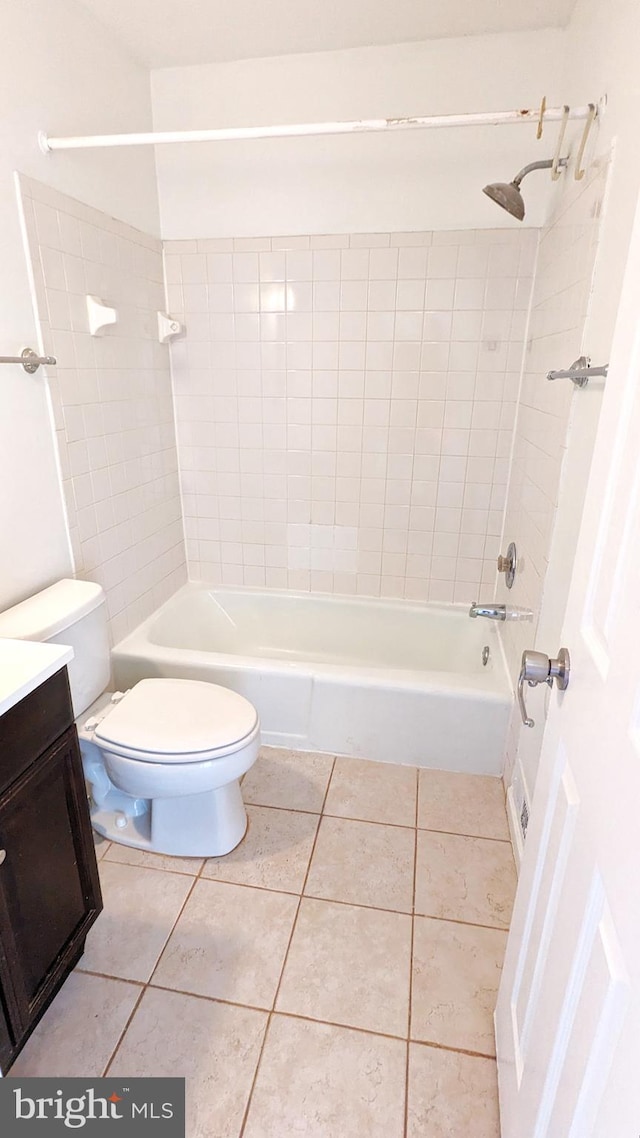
point(74, 613)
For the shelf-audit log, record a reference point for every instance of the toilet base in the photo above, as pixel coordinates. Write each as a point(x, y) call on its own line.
point(209, 824)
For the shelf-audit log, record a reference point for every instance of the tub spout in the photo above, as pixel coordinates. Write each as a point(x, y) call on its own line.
point(492, 611)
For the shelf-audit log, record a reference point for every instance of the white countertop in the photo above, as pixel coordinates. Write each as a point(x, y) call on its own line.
point(24, 665)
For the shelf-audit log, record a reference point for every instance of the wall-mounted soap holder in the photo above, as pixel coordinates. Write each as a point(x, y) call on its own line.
point(101, 315)
point(168, 327)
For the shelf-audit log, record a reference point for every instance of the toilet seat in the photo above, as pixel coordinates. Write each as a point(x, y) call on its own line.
point(172, 721)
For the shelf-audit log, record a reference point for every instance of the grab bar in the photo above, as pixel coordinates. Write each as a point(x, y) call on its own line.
point(29, 360)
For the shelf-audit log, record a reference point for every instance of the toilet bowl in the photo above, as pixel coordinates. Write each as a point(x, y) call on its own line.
point(163, 760)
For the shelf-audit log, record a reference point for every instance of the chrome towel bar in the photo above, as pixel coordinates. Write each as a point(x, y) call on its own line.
point(29, 359)
point(580, 372)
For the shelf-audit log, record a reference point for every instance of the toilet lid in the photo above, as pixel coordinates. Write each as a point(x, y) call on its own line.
point(177, 717)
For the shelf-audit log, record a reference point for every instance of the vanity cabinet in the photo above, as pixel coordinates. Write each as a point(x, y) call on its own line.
point(49, 887)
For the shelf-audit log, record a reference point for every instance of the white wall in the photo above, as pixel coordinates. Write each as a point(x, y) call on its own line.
point(413, 180)
point(600, 56)
point(59, 71)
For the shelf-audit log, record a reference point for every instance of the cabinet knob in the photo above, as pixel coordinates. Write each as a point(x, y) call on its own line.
point(3, 854)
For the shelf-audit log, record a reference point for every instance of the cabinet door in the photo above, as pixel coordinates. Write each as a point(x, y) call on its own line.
point(49, 889)
point(6, 1039)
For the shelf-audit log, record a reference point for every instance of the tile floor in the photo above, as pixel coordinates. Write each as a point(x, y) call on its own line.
point(334, 976)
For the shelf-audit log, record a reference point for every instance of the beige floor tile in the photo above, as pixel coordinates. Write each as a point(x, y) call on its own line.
point(141, 907)
point(451, 1095)
point(295, 780)
point(465, 879)
point(127, 855)
point(214, 1046)
point(229, 943)
point(373, 792)
point(273, 854)
point(349, 966)
point(79, 1032)
point(462, 804)
point(327, 1082)
point(101, 845)
point(363, 863)
point(456, 972)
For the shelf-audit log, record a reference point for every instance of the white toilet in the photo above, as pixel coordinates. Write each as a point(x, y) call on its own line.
point(163, 759)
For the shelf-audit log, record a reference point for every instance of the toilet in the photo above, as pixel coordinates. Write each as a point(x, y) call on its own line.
point(163, 760)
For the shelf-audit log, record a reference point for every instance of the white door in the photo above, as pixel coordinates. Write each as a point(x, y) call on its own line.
point(568, 1015)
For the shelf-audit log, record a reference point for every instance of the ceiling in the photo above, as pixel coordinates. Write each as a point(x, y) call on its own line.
point(174, 33)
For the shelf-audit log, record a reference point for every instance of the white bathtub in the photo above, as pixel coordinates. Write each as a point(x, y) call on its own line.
point(390, 680)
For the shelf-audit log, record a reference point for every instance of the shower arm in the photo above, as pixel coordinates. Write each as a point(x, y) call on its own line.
point(543, 164)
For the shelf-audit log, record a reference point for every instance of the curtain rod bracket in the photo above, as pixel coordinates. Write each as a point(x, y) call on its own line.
point(29, 360)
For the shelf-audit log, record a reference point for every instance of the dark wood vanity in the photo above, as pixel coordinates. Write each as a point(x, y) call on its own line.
point(49, 887)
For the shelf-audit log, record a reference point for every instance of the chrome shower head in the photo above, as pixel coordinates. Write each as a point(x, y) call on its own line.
point(507, 194)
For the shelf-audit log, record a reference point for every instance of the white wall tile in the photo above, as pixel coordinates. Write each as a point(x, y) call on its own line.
point(559, 308)
point(116, 431)
point(353, 408)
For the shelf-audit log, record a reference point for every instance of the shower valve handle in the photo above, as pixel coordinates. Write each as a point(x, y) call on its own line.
point(537, 668)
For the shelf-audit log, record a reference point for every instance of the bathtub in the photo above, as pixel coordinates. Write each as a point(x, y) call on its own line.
point(395, 681)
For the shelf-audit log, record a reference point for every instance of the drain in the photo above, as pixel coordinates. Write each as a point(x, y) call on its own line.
point(486, 652)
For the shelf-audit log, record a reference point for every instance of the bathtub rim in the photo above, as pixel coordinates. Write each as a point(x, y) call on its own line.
point(493, 685)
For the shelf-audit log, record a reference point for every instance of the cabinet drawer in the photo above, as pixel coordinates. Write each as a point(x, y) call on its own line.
point(27, 729)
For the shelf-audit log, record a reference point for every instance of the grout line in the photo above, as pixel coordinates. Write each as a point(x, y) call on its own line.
point(459, 834)
point(284, 962)
point(458, 921)
point(455, 1050)
point(108, 976)
point(378, 822)
point(154, 868)
point(124, 1030)
point(146, 984)
point(283, 1014)
point(286, 809)
point(173, 928)
point(356, 904)
point(287, 1015)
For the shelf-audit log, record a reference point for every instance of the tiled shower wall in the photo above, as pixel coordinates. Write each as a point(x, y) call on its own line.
point(558, 334)
point(112, 400)
point(345, 407)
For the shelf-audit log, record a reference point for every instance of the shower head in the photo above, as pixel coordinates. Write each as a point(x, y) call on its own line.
point(507, 194)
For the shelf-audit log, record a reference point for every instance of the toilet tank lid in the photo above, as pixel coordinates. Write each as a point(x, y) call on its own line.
point(51, 611)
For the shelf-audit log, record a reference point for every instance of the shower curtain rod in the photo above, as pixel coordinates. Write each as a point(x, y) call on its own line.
point(295, 130)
